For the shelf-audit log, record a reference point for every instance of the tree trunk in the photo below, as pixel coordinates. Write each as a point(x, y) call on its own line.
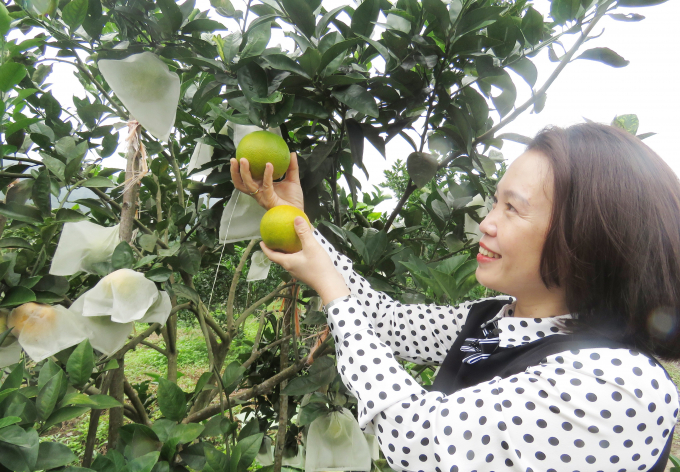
point(283, 399)
point(127, 217)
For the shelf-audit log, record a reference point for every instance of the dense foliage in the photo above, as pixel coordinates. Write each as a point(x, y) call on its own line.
point(434, 73)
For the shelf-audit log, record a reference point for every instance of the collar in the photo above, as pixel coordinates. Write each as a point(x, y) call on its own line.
point(517, 331)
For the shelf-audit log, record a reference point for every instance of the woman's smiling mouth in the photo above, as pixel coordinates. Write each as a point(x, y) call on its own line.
point(485, 255)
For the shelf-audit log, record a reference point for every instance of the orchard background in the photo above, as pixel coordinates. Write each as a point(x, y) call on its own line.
point(149, 352)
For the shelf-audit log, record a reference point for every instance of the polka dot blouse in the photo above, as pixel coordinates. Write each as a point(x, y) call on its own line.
point(580, 410)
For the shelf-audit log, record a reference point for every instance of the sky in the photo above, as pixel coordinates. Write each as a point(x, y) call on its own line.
point(585, 89)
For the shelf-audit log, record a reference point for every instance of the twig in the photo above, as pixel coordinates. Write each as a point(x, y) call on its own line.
point(601, 10)
point(261, 389)
point(256, 354)
point(410, 187)
point(153, 346)
point(136, 402)
point(242, 319)
point(234, 284)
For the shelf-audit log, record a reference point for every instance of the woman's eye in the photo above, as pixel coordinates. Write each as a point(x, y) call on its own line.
point(510, 207)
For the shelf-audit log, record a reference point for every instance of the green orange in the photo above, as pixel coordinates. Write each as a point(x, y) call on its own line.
point(261, 147)
point(277, 228)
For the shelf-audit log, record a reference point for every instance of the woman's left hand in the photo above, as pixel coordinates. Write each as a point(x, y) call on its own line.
point(312, 265)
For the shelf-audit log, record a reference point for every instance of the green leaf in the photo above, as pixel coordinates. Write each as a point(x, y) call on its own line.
point(52, 455)
point(9, 421)
point(630, 17)
point(54, 165)
point(312, 411)
point(438, 10)
point(357, 97)
point(275, 97)
point(25, 213)
point(159, 274)
point(5, 20)
point(66, 214)
point(123, 257)
point(190, 258)
point(80, 364)
point(258, 38)
point(478, 19)
point(628, 123)
point(309, 108)
point(301, 15)
point(186, 292)
point(171, 14)
point(253, 81)
point(310, 61)
point(17, 296)
point(41, 193)
point(144, 463)
point(14, 379)
point(11, 73)
point(525, 69)
point(64, 414)
point(15, 243)
point(249, 447)
point(605, 56)
point(232, 377)
point(98, 182)
point(532, 26)
point(19, 448)
point(49, 395)
point(335, 50)
point(281, 62)
point(171, 400)
point(20, 124)
point(639, 3)
point(74, 13)
point(421, 167)
point(203, 25)
point(324, 372)
point(365, 17)
point(224, 8)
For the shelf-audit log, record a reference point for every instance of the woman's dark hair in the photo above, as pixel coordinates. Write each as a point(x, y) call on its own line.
point(613, 242)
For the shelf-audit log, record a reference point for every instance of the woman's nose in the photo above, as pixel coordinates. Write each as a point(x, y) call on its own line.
point(488, 226)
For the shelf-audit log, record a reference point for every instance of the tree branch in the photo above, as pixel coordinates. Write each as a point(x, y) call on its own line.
point(242, 319)
point(410, 187)
point(601, 10)
point(153, 346)
point(261, 389)
point(136, 402)
point(234, 284)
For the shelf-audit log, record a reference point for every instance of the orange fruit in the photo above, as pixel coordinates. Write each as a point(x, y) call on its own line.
point(260, 147)
point(277, 228)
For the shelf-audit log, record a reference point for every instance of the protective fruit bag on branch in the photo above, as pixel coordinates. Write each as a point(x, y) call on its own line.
point(83, 245)
point(259, 267)
point(147, 88)
point(107, 312)
point(336, 442)
point(242, 214)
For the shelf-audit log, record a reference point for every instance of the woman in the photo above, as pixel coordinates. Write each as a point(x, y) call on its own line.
point(584, 237)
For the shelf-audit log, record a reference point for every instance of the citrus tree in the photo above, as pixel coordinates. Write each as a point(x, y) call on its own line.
point(89, 249)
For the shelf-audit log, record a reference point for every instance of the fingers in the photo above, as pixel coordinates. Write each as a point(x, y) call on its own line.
point(236, 176)
point(278, 257)
point(246, 177)
point(267, 189)
point(303, 231)
point(293, 173)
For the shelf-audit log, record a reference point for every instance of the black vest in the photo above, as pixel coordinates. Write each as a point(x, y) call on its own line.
point(454, 374)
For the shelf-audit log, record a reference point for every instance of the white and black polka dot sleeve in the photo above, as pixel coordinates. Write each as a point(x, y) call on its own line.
point(587, 410)
point(418, 333)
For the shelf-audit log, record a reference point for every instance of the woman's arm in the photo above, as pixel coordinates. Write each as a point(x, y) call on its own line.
point(588, 410)
point(419, 333)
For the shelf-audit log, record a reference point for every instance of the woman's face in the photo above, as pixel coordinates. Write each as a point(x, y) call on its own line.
point(515, 229)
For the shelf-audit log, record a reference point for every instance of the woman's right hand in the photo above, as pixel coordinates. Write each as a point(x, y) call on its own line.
point(267, 192)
